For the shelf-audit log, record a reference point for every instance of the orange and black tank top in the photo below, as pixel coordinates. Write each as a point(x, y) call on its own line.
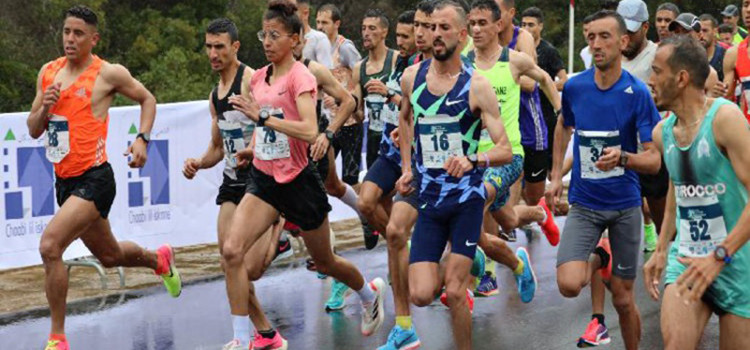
point(86, 135)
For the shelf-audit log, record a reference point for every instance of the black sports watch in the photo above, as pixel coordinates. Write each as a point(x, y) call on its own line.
point(473, 159)
point(263, 117)
point(721, 254)
point(145, 136)
point(329, 135)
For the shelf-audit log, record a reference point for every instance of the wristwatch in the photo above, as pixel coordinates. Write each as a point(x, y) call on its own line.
point(145, 136)
point(472, 159)
point(623, 159)
point(263, 117)
point(721, 254)
point(329, 135)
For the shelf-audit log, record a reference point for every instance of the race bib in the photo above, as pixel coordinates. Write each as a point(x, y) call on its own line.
point(57, 144)
point(702, 226)
point(440, 138)
point(271, 144)
point(231, 134)
point(374, 104)
point(591, 144)
point(390, 115)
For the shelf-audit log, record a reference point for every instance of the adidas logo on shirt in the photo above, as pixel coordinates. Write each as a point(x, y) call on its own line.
point(629, 90)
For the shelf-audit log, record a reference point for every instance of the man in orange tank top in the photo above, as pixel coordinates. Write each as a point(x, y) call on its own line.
point(71, 106)
point(737, 67)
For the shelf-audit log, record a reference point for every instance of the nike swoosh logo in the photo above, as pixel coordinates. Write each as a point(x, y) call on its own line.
point(469, 244)
point(623, 268)
point(537, 173)
point(283, 247)
point(451, 103)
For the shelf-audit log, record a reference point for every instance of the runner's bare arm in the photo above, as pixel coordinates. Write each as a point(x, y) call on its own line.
point(528, 68)
point(562, 138)
point(124, 83)
point(333, 88)
point(483, 99)
point(247, 76)
point(305, 129)
point(562, 78)
point(37, 121)
point(406, 118)
point(215, 151)
point(359, 114)
point(730, 80)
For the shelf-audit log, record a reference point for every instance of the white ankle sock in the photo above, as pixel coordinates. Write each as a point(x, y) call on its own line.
point(241, 326)
point(366, 294)
point(350, 198)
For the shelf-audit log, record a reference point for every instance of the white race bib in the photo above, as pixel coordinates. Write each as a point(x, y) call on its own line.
point(390, 115)
point(591, 144)
point(440, 138)
point(231, 134)
point(57, 144)
point(374, 104)
point(702, 225)
point(271, 144)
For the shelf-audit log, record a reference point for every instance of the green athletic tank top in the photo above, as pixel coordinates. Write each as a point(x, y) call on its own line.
point(710, 200)
point(508, 97)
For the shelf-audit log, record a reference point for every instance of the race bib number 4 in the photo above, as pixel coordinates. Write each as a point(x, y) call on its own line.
point(231, 133)
point(375, 104)
point(591, 144)
point(57, 145)
point(440, 138)
point(702, 226)
point(271, 144)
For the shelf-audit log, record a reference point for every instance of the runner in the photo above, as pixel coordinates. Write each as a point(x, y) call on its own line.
point(73, 96)
point(283, 106)
point(604, 195)
point(585, 53)
point(446, 123)
point(231, 131)
point(503, 68)
point(665, 14)
point(423, 30)
point(732, 16)
point(710, 41)
point(726, 37)
point(705, 143)
point(737, 68)
point(317, 46)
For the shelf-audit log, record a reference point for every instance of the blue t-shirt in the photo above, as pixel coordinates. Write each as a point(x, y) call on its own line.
point(614, 117)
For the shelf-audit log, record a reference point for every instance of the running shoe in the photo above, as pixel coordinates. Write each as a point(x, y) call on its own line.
point(234, 345)
point(374, 313)
point(606, 272)
point(292, 229)
point(371, 236)
point(172, 280)
point(650, 237)
point(469, 299)
point(487, 286)
point(284, 249)
point(310, 265)
point(477, 268)
point(54, 344)
point(276, 343)
point(526, 281)
point(549, 227)
point(508, 236)
point(595, 334)
point(337, 300)
point(401, 339)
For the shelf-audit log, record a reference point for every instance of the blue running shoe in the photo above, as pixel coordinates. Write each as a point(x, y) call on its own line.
point(337, 300)
point(487, 286)
point(477, 269)
point(400, 339)
point(527, 280)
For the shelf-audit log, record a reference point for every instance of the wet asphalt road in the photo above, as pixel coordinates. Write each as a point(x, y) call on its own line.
point(293, 299)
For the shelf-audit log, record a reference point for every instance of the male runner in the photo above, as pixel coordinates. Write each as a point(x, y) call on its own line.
point(665, 14)
point(725, 35)
point(732, 16)
point(710, 41)
point(503, 68)
point(704, 143)
point(737, 67)
point(423, 30)
point(604, 187)
point(447, 105)
point(71, 107)
point(317, 46)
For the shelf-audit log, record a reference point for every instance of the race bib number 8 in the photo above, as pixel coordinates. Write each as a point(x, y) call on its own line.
point(440, 138)
point(375, 104)
point(231, 133)
point(702, 226)
point(57, 144)
point(271, 144)
point(591, 144)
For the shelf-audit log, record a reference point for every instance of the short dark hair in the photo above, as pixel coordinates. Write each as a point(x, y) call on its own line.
point(379, 14)
point(690, 55)
point(426, 6)
point(533, 12)
point(668, 6)
point(726, 28)
point(602, 14)
point(86, 14)
point(285, 12)
point(333, 9)
point(708, 17)
point(441, 4)
point(588, 19)
point(406, 17)
point(510, 3)
point(489, 5)
point(609, 4)
point(223, 25)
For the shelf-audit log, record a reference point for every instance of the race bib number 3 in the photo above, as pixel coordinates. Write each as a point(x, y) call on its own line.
point(591, 144)
point(231, 133)
point(57, 144)
point(375, 104)
point(440, 138)
point(702, 226)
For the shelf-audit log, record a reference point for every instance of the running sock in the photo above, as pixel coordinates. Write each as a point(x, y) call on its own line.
point(490, 268)
point(598, 317)
point(350, 198)
point(519, 269)
point(404, 322)
point(603, 256)
point(269, 334)
point(58, 337)
point(366, 294)
point(241, 326)
point(649, 229)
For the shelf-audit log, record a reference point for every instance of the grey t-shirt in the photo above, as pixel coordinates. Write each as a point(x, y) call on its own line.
point(348, 54)
point(318, 48)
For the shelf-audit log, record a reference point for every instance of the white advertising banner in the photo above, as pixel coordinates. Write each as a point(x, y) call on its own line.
point(154, 205)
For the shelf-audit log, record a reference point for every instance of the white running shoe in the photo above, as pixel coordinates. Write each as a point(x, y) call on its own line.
point(374, 313)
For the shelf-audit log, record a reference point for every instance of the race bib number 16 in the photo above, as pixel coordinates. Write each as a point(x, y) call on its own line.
point(440, 139)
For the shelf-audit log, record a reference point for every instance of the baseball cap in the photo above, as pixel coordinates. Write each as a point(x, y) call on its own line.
point(730, 11)
point(634, 12)
point(686, 20)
